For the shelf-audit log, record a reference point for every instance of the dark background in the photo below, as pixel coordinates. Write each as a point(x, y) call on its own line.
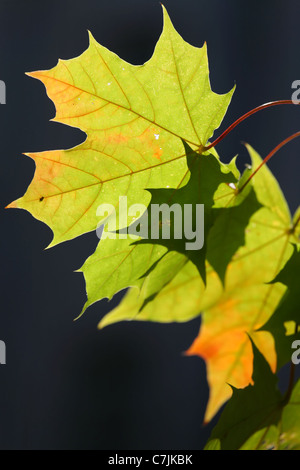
point(67, 385)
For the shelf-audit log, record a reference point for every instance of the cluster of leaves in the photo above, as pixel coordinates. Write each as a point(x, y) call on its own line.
point(148, 129)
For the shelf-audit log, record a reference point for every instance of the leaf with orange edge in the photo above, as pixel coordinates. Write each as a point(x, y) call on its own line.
point(259, 417)
point(230, 313)
point(135, 118)
point(248, 301)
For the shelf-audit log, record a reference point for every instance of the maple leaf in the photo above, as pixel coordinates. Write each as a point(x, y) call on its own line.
point(134, 118)
point(258, 228)
point(284, 324)
point(259, 417)
point(206, 176)
point(285, 434)
point(248, 301)
point(115, 266)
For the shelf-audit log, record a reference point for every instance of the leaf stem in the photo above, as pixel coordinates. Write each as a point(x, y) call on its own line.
point(270, 155)
point(245, 116)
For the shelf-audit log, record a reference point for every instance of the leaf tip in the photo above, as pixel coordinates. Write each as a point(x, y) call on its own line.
point(80, 315)
point(167, 19)
point(101, 324)
point(92, 40)
point(12, 205)
point(105, 321)
point(79, 270)
point(35, 74)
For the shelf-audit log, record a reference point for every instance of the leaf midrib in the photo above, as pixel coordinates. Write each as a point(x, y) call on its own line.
point(59, 119)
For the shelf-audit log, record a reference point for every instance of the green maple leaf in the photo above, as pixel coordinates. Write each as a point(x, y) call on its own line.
point(266, 224)
point(206, 177)
point(258, 228)
point(284, 324)
point(135, 118)
point(259, 417)
point(115, 266)
point(251, 409)
point(285, 435)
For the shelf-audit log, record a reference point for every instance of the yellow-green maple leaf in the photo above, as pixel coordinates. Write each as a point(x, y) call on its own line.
point(234, 311)
point(134, 118)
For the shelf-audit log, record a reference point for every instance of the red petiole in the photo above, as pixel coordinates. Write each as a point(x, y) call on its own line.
point(241, 119)
point(270, 155)
point(245, 116)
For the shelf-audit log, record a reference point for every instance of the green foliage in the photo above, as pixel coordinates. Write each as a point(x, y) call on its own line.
point(259, 417)
point(284, 322)
point(148, 129)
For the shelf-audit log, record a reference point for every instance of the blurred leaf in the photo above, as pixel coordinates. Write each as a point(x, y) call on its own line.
point(284, 323)
point(259, 417)
point(248, 301)
point(254, 408)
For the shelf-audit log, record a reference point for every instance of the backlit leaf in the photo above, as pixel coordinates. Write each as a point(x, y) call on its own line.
point(134, 118)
